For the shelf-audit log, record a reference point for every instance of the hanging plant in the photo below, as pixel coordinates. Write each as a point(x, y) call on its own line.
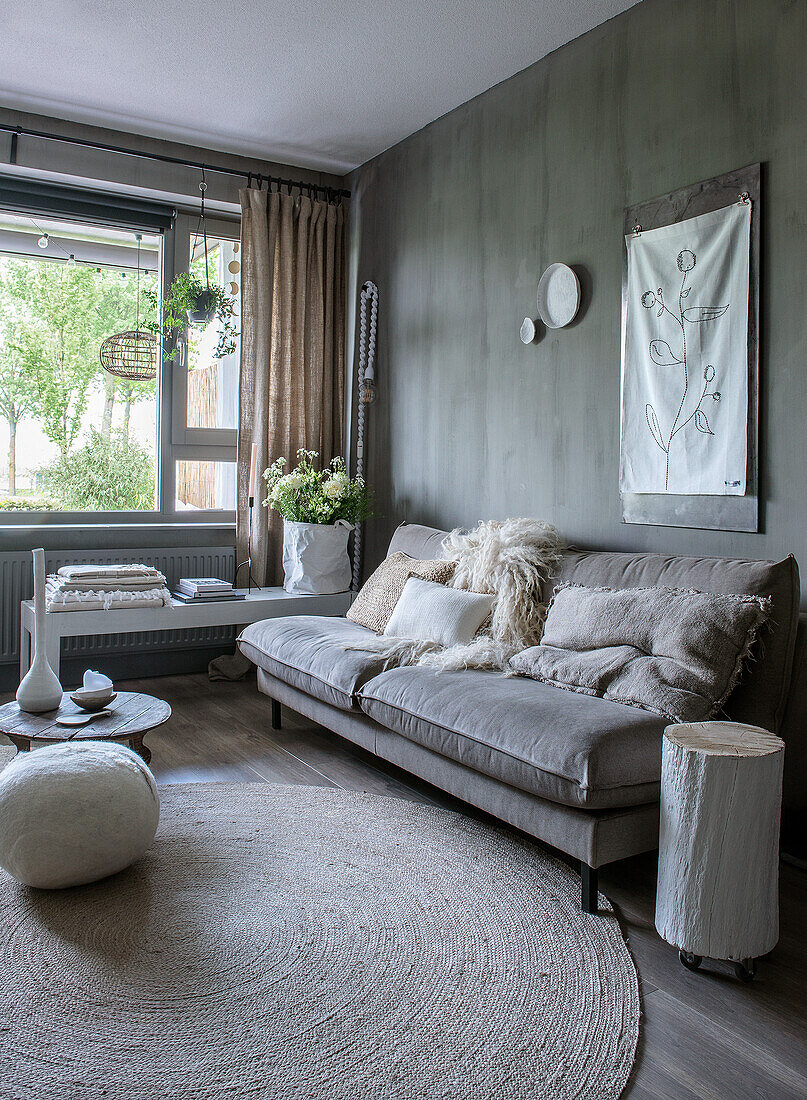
point(195, 301)
point(191, 300)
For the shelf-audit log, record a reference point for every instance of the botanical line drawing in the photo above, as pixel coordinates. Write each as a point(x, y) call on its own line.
point(663, 356)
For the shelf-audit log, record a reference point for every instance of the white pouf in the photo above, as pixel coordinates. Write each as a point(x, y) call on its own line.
point(74, 813)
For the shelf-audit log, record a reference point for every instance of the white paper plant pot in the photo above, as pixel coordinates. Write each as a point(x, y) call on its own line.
point(315, 558)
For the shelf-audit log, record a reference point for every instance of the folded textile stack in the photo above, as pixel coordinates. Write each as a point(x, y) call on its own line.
point(106, 587)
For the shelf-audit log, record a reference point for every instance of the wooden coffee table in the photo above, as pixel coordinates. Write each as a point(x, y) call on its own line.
point(133, 715)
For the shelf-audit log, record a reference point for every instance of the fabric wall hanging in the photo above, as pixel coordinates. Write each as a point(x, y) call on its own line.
point(689, 395)
point(685, 382)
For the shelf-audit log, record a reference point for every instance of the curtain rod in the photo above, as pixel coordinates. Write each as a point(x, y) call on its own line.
point(21, 131)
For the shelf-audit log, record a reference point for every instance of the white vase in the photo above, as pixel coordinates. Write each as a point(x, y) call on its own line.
point(315, 558)
point(40, 689)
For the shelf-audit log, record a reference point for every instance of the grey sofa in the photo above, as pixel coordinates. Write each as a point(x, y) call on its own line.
point(577, 772)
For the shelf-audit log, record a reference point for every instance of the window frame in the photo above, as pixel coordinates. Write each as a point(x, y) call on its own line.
point(171, 443)
point(212, 439)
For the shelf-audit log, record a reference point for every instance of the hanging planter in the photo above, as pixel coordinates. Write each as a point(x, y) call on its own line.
point(196, 301)
point(190, 300)
point(203, 306)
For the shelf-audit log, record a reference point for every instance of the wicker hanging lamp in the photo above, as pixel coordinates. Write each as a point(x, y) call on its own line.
point(131, 354)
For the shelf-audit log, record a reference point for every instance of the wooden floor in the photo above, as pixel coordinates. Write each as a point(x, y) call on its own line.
point(703, 1035)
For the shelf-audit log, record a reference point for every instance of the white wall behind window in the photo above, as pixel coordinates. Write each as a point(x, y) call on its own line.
point(35, 450)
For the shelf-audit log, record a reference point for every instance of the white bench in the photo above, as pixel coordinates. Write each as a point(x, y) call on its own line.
point(261, 603)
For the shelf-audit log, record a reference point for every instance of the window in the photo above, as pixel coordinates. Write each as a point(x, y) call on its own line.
point(204, 430)
point(76, 440)
point(65, 423)
point(205, 485)
point(212, 384)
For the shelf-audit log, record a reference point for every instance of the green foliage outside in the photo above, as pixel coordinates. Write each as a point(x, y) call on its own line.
point(307, 495)
point(53, 319)
point(103, 475)
point(26, 504)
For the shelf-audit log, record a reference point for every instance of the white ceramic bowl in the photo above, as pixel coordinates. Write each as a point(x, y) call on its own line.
point(89, 699)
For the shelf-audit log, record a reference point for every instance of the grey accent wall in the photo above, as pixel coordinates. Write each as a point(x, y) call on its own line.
point(456, 224)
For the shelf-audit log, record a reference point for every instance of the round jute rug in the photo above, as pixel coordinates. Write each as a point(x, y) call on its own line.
point(302, 943)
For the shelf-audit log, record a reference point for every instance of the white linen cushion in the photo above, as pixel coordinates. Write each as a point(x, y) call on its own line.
point(381, 591)
point(432, 612)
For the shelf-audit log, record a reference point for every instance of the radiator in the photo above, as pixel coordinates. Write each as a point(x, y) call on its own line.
point(16, 584)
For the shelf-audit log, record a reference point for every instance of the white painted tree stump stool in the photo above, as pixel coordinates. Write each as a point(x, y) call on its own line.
point(718, 879)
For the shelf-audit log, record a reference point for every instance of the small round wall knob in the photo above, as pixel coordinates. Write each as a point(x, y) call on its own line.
point(527, 331)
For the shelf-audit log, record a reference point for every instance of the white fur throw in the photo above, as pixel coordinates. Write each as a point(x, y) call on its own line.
point(509, 559)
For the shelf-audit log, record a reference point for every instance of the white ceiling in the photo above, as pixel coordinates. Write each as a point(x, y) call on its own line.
point(324, 84)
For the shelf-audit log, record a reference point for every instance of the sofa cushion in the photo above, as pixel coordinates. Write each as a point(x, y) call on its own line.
point(760, 697)
point(574, 749)
point(432, 612)
point(381, 591)
point(674, 652)
point(417, 541)
point(312, 653)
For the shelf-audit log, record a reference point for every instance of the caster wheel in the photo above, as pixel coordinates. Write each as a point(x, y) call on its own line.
point(690, 961)
point(745, 970)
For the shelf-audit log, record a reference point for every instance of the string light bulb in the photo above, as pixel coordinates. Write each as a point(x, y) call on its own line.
point(43, 241)
point(368, 390)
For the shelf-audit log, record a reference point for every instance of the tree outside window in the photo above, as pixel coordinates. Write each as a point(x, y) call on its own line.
point(74, 440)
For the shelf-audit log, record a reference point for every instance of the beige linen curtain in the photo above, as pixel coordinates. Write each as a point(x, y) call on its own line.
point(292, 350)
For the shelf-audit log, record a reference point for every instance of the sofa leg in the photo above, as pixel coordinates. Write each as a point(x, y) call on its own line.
point(588, 878)
point(277, 722)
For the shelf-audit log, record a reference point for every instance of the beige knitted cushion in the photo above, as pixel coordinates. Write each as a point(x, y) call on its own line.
point(380, 592)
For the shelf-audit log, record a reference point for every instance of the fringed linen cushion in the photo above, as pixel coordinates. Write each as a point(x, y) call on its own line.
point(674, 652)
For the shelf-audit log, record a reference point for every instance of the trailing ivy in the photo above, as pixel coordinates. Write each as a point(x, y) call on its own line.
point(185, 295)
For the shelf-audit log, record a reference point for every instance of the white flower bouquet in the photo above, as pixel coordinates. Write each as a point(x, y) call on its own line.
point(307, 495)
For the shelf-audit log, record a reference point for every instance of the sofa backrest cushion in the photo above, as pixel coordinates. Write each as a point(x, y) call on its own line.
point(418, 541)
point(761, 695)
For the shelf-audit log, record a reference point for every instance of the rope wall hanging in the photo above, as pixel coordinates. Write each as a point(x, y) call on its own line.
point(368, 304)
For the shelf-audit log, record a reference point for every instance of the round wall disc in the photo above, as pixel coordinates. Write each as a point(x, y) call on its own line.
point(558, 296)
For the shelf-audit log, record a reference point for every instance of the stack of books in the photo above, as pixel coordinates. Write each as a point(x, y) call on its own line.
point(206, 590)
